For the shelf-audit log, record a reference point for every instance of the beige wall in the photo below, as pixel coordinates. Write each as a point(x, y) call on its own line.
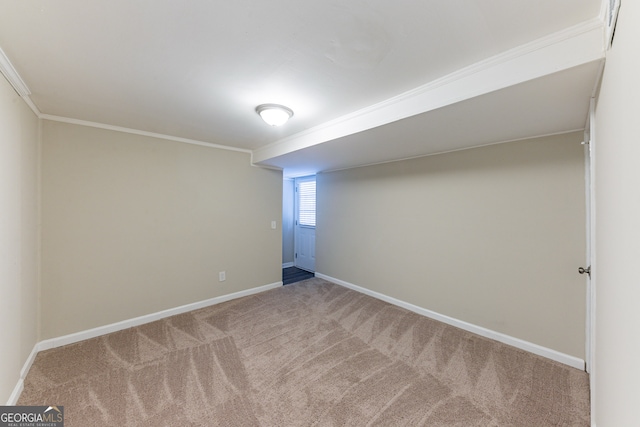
point(492, 236)
point(18, 236)
point(133, 225)
point(617, 175)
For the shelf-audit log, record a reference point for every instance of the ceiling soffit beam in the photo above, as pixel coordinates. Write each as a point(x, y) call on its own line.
point(566, 49)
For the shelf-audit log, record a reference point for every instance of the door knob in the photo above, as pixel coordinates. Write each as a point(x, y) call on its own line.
point(583, 270)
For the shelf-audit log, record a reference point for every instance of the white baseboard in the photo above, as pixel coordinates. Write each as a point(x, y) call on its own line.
point(17, 391)
point(566, 359)
point(15, 395)
point(287, 265)
point(114, 327)
point(136, 321)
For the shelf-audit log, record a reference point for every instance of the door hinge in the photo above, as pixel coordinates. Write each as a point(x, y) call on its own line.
point(296, 255)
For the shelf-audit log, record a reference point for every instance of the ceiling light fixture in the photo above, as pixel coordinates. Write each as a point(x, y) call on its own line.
point(274, 114)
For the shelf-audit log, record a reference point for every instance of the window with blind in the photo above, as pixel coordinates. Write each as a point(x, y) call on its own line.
point(307, 202)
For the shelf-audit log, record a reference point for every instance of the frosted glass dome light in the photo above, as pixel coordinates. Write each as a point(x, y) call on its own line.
point(274, 114)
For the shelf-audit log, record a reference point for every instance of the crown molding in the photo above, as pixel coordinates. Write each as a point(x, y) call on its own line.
point(34, 108)
point(12, 76)
point(140, 132)
point(7, 69)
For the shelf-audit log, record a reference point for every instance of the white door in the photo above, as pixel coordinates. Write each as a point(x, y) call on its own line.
point(305, 224)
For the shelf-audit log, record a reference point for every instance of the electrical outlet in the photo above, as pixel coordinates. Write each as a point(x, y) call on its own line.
point(222, 276)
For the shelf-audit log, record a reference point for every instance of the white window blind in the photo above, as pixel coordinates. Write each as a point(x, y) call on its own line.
point(307, 203)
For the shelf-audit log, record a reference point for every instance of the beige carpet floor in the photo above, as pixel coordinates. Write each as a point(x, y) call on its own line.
point(308, 354)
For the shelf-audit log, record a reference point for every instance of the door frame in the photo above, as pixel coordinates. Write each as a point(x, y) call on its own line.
point(590, 342)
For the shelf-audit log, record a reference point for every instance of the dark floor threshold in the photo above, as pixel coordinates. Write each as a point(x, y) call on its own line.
point(294, 274)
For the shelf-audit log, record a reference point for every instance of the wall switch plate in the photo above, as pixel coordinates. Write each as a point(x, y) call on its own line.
point(222, 276)
point(273, 225)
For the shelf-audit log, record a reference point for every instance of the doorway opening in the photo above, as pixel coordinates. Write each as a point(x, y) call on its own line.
point(298, 229)
point(305, 223)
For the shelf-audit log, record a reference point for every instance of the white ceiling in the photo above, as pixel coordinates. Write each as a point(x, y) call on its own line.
point(369, 80)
